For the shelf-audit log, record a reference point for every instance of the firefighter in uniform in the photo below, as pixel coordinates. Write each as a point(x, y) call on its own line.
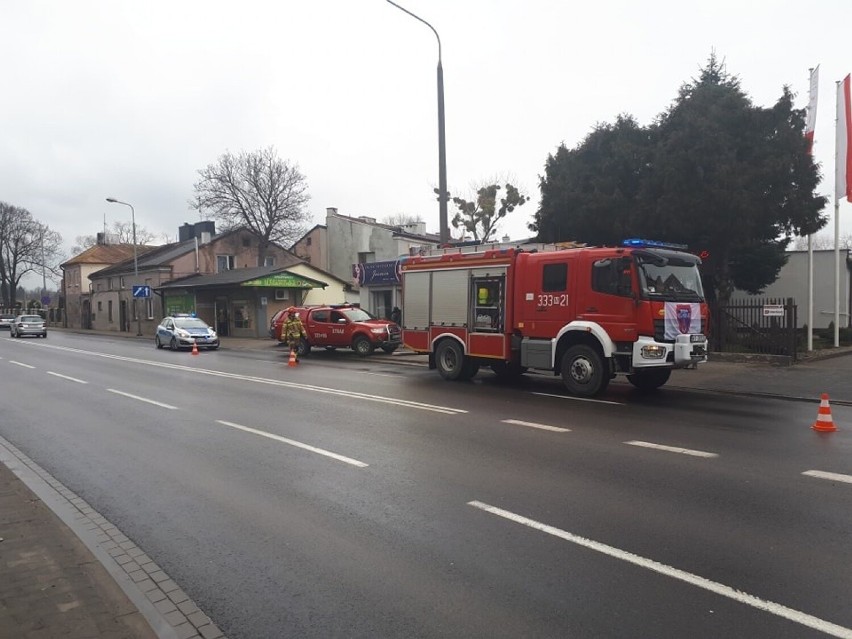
point(293, 331)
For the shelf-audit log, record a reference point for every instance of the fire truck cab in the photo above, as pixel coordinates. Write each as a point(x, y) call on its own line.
point(587, 314)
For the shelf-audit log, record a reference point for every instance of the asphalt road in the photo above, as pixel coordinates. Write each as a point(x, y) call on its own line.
point(359, 498)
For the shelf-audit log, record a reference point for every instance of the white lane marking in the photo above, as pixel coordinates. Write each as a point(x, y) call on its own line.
point(142, 399)
point(821, 474)
point(379, 374)
point(73, 379)
point(675, 573)
point(580, 399)
point(446, 410)
point(11, 361)
point(555, 429)
point(292, 442)
point(672, 449)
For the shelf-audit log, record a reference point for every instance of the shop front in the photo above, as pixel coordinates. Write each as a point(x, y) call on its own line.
point(237, 303)
point(380, 286)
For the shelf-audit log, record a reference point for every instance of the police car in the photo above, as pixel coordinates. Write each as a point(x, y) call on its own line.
point(183, 330)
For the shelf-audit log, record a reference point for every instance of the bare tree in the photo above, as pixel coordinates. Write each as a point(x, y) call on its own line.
point(402, 219)
point(119, 233)
point(823, 241)
point(26, 246)
point(257, 190)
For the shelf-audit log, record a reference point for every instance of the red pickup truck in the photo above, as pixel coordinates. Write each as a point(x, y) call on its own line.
point(341, 326)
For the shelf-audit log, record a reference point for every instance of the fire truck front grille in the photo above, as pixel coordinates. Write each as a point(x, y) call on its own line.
point(660, 330)
point(395, 333)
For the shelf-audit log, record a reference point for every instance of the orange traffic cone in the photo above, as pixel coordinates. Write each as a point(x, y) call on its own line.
point(292, 361)
point(194, 348)
point(824, 423)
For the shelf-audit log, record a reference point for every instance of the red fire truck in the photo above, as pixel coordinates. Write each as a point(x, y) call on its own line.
point(587, 314)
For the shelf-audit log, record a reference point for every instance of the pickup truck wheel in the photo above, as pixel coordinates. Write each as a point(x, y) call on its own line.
point(583, 371)
point(650, 379)
point(450, 360)
point(303, 348)
point(389, 349)
point(362, 346)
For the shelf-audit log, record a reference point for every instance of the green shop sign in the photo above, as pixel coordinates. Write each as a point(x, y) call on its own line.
point(283, 280)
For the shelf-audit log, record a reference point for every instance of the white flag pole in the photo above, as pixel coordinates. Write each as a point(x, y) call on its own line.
point(837, 225)
point(812, 94)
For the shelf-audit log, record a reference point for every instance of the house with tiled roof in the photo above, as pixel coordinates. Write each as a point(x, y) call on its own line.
point(76, 287)
point(211, 269)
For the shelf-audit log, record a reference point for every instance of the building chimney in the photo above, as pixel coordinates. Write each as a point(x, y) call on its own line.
point(331, 210)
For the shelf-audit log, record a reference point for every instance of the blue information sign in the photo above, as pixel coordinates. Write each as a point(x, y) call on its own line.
point(141, 291)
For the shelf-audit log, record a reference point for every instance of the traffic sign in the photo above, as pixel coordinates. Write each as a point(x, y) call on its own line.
point(141, 291)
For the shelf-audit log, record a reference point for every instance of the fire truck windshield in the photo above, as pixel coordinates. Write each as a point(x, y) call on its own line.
point(670, 280)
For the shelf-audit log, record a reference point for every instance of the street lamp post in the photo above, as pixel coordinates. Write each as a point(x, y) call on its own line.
point(135, 262)
point(442, 147)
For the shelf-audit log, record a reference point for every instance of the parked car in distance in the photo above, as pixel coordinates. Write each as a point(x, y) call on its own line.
point(28, 325)
point(6, 320)
point(341, 326)
point(182, 331)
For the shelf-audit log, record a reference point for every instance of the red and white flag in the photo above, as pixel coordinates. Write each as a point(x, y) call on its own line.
point(843, 161)
point(812, 109)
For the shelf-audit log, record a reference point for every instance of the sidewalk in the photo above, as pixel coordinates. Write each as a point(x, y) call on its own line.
point(54, 586)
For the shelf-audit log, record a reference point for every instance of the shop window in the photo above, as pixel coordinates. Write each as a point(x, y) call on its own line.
point(488, 304)
point(242, 315)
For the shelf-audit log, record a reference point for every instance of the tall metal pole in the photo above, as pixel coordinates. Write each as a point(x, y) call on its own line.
point(135, 262)
point(442, 146)
point(837, 229)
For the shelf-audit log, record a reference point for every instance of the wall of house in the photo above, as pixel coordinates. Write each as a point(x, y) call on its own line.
point(313, 247)
point(793, 282)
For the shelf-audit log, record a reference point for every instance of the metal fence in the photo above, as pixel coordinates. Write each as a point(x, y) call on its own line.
point(53, 316)
point(761, 326)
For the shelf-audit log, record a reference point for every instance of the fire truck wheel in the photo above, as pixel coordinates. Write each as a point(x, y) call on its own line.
point(470, 369)
point(362, 346)
point(450, 360)
point(583, 371)
point(651, 379)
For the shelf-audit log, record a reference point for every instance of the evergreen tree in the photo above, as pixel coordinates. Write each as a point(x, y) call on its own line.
point(729, 179)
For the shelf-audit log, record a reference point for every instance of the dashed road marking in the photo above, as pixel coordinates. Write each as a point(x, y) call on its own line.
point(672, 449)
point(404, 403)
point(72, 379)
point(821, 474)
point(518, 422)
point(292, 442)
point(649, 564)
point(142, 399)
point(11, 361)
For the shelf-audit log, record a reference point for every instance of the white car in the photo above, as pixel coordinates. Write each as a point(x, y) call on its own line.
point(6, 320)
point(28, 325)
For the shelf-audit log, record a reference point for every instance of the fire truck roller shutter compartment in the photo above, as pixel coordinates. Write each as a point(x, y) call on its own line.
point(416, 298)
point(447, 286)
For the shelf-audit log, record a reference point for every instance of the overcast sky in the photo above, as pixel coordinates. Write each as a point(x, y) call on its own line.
point(130, 99)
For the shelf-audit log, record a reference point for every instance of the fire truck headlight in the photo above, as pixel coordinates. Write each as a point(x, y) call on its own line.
point(378, 330)
point(653, 351)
